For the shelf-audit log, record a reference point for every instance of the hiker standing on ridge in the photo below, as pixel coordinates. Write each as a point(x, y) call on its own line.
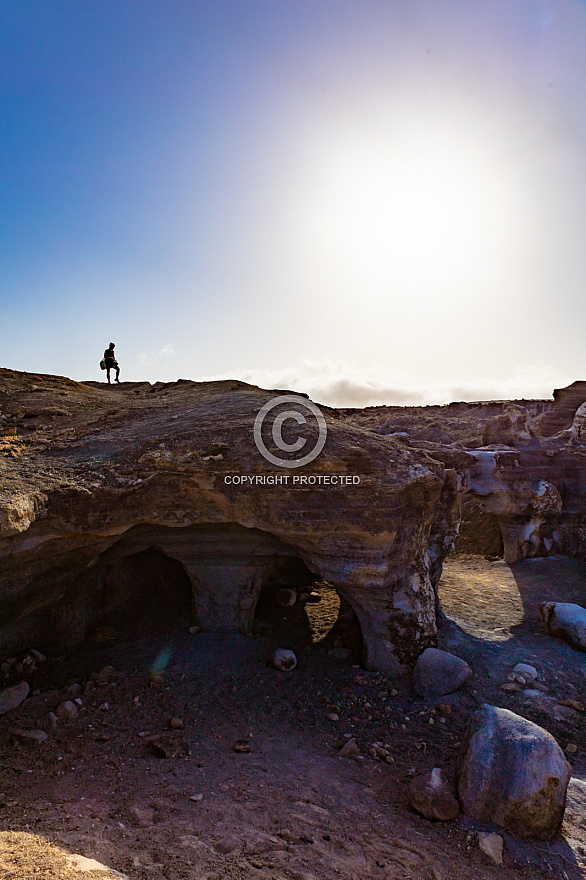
point(111, 362)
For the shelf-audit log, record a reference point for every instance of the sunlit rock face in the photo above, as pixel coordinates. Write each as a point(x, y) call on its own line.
point(94, 478)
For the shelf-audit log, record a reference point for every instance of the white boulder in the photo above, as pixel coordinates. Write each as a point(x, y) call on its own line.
point(565, 620)
point(512, 773)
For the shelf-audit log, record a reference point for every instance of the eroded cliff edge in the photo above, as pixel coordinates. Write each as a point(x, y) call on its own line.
point(93, 475)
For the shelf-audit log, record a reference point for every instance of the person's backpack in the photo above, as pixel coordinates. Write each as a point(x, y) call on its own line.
point(102, 364)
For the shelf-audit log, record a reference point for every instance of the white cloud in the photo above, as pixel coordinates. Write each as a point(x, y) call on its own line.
point(145, 360)
point(338, 384)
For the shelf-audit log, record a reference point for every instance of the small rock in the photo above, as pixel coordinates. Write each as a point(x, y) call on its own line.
point(438, 672)
point(13, 697)
point(73, 690)
point(528, 672)
point(571, 748)
point(284, 660)
point(176, 723)
point(196, 797)
point(332, 716)
point(444, 708)
point(143, 817)
point(52, 720)
point(67, 711)
point(533, 694)
point(563, 713)
point(242, 746)
point(227, 845)
point(102, 737)
point(349, 750)
point(491, 845)
point(167, 746)
point(514, 676)
point(156, 681)
point(193, 630)
point(510, 687)
point(573, 704)
point(29, 736)
point(288, 836)
point(286, 598)
point(40, 658)
point(102, 676)
point(434, 796)
point(104, 707)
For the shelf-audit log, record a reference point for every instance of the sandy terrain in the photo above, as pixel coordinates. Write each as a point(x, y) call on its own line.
point(289, 807)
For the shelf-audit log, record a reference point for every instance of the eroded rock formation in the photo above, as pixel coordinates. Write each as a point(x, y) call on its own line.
point(521, 466)
point(94, 479)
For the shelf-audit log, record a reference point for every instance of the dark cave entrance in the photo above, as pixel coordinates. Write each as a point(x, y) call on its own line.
point(318, 617)
point(157, 584)
point(146, 591)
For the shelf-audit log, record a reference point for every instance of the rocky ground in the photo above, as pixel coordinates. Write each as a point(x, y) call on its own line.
point(256, 788)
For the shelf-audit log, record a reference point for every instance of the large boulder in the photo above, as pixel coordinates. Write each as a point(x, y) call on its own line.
point(438, 672)
point(565, 620)
point(512, 773)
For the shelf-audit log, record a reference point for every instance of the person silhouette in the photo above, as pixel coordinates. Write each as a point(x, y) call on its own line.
point(111, 362)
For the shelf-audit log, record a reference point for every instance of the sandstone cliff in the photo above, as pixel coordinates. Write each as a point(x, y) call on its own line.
point(93, 475)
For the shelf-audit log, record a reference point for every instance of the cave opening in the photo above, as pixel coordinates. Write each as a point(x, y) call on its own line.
point(144, 592)
point(300, 611)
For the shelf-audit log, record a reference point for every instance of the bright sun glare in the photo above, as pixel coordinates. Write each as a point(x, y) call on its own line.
point(418, 210)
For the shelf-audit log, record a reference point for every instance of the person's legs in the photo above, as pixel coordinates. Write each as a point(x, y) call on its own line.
point(117, 374)
point(108, 374)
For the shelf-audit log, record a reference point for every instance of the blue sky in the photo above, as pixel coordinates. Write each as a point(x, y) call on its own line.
point(369, 201)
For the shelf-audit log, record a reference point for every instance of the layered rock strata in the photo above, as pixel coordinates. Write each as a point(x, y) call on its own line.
point(94, 477)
